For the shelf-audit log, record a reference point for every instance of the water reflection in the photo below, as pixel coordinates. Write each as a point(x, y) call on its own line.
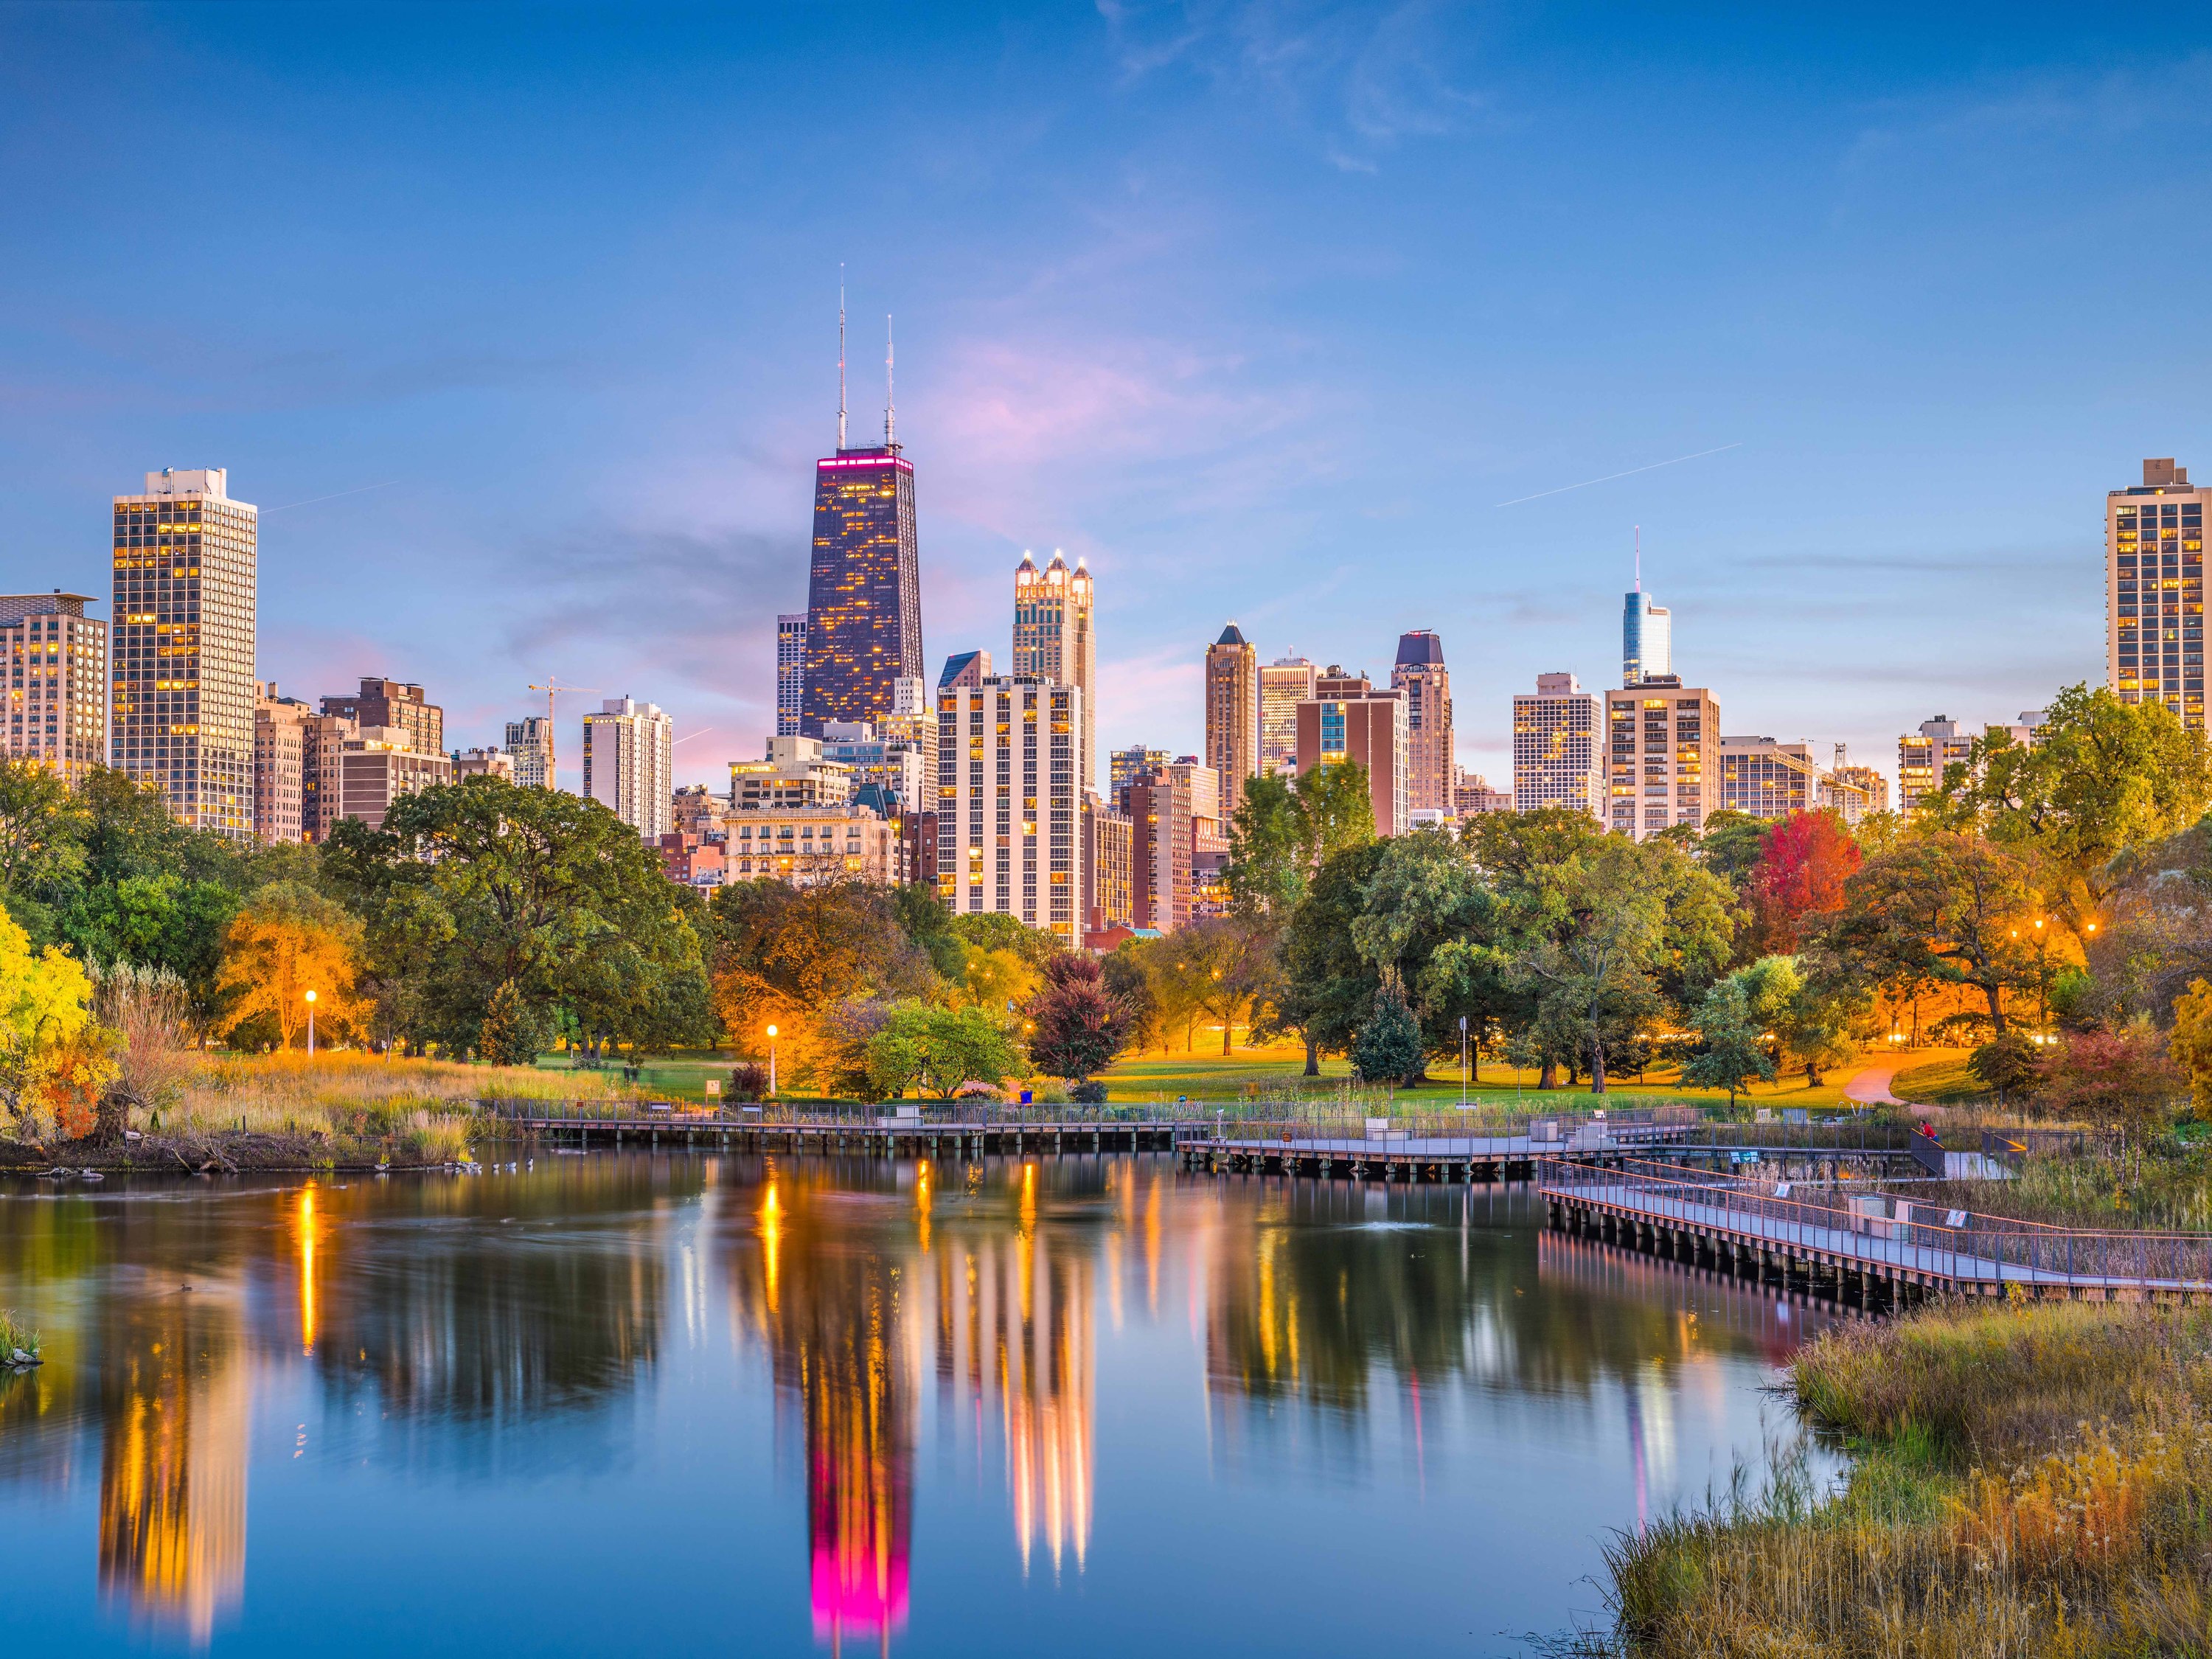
point(175, 1413)
point(512, 1334)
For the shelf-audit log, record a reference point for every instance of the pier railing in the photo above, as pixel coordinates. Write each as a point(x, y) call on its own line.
point(1960, 1243)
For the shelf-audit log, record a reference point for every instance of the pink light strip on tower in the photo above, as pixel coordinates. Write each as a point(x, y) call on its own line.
point(870, 460)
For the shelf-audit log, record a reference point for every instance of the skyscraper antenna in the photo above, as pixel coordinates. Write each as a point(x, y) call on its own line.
point(1639, 558)
point(891, 404)
point(840, 356)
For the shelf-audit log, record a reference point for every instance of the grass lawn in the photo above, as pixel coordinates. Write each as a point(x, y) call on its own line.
point(1264, 1073)
point(1942, 1082)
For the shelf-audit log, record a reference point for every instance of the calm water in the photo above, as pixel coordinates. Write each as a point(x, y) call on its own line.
point(621, 1402)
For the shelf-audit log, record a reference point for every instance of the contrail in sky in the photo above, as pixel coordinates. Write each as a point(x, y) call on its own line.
point(312, 500)
point(1610, 476)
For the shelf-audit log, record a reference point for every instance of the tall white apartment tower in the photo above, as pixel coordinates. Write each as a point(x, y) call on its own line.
point(1053, 635)
point(1009, 799)
point(529, 745)
point(790, 672)
point(181, 685)
point(1559, 748)
point(629, 764)
point(2154, 591)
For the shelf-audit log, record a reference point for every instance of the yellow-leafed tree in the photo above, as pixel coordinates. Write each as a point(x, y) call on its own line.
point(52, 1053)
point(286, 941)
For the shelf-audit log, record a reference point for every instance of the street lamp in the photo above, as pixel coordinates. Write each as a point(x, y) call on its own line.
point(771, 1063)
point(310, 1025)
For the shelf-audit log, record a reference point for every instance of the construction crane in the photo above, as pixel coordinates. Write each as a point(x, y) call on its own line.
point(552, 689)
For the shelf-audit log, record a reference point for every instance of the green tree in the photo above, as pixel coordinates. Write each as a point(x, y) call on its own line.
point(42, 823)
point(1324, 988)
point(1731, 1049)
point(1729, 845)
point(2008, 1063)
point(2102, 776)
point(918, 1045)
point(1268, 866)
point(469, 886)
point(1387, 1049)
point(1942, 905)
point(514, 1032)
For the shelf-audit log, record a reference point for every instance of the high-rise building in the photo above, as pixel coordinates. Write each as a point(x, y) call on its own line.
point(280, 763)
point(1420, 674)
point(57, 660)
point(1232, 714)
point(482, 763)
point(1559, 748)
point(912, 724)
point(795, 773)
point(864, 586)
point(397, 705)
point(322, 739)
point(1131, 764)
point(1055, 637)
point(1009, 801)
point(964, 668)
point(530, 741)
point(629, 764)
point(1348, 720)
point(1923, 755)
point(790, 672)
point(1107, 850)
point(2155, 592)
point(181, 664)
point(1647, 639)
point(375, 766)
point(1283, 684)
point(1160, 841)
point(1768, 779)
point(887, 772)
point(1662, 742)
point(1853, 792)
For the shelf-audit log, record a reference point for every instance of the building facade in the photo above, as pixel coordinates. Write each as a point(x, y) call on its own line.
point(181, 666)
point(280, 766)
point(1108, 899)
point(1158, 805)
point(1647, 639)
point(864, 588)
point(1348, 720)
point(2155, 592)
point(529, 743)
point(1131, 764)
point(376, 765)
point(1768, 779)
point(1232, 714)
point(1283, 684)
point(796, 774)
point(790, 672)
point(1922, 757)
point(58, 690)
point(482, 763)
point(891, 767)
point(1472, 794)
point(1559, 748)
point(397, 706)
point(1662, 754)
point(1055, 634)
point(808, 846)
point(1420, 675)
point(1009, 801)
point(629, 764)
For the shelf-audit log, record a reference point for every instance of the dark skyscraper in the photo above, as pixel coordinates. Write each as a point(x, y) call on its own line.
point(864, 592)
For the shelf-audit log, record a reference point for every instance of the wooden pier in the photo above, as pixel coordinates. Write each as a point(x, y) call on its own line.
point(1393, 1155)
point(909, 1137)
point(1888, 1251)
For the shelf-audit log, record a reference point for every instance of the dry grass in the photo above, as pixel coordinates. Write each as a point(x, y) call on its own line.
point(2031, 1482)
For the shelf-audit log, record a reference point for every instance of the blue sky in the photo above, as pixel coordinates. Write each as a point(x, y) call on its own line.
point(1266, 310)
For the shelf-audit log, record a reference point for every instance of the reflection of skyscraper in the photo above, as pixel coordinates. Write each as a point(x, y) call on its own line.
point(172, 1467)
point(864, 591)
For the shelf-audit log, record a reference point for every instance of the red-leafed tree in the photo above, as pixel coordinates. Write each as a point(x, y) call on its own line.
point(1079, 1026)
point(1803, 863)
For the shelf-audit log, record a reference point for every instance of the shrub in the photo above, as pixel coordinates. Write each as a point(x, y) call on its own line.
point(749, 1081)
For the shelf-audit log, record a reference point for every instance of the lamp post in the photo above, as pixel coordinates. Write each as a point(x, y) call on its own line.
point(310, 1025)
point(771, 1063)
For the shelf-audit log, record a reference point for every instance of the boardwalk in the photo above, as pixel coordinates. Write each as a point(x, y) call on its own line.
point(1884, 1248)
point(891, 1137)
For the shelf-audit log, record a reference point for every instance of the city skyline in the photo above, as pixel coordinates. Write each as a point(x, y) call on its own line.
point(1220, 351)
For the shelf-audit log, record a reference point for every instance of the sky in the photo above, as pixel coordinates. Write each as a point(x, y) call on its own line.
point(519, 325)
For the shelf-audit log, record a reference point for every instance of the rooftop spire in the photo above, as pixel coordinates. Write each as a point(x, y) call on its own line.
point(891, 404)
point(1639, 558)
point(840, 356)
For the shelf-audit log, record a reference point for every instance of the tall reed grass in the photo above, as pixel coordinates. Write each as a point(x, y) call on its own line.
point(2033, 1482)
point(15, 1337)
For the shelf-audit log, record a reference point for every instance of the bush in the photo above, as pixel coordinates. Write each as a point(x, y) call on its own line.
point(749, 1081)
point(1389, 1046)
point(2009, 1064)
point(1088, 1093)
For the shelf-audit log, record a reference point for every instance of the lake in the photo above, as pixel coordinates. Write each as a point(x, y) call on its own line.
point(620, 1402)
